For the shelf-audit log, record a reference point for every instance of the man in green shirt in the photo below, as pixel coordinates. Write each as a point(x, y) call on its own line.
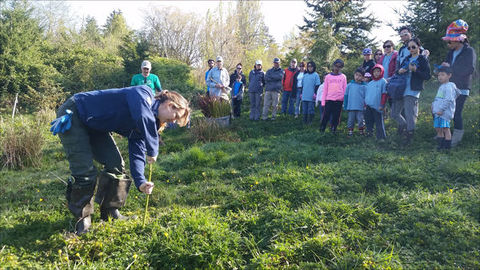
point(146, 78)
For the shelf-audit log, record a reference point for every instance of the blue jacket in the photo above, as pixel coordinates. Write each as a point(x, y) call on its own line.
point(128, 112)
point(256, 80)
point(354, 99)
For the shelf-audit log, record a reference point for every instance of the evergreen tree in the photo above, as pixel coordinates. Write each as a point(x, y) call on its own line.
point(340, 23)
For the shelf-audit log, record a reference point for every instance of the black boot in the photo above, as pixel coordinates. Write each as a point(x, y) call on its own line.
point(447, 144)
point(409, 137)
point(440, 143)
point(112, 194)
point(80, 201)
point(305, 119)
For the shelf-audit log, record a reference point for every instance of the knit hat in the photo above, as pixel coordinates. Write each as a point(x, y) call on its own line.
point(146, 64)
point(456, 31)
point(367, 51)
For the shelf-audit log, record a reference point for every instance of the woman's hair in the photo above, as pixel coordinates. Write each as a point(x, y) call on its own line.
point(389, 41)
point(416, 40)
point(302, 63)
point(378, 50)
point(313, 65)
point(179, 102)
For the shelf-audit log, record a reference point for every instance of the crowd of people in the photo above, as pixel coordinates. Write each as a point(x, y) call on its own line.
point(86, 120)
point(389, 83)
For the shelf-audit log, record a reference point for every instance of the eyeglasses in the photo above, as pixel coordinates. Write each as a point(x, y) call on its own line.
point(412, 48)
point(387, 46)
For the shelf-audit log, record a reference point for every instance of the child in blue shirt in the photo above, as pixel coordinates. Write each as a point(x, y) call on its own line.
point(375, 98)
point(354, 101)
point(237, 96)
point(443, 108)
point(310, 83)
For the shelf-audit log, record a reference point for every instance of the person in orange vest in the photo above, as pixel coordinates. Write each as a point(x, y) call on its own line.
point(288, 100)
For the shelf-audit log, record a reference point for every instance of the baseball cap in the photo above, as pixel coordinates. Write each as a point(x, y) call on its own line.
point(276, 60)
point(219, 59)
point(146, 64)
point(367, 51)
point(258, 62)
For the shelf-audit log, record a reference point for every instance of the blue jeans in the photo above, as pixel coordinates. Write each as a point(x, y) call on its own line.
point(373, 117)
point(308, 107)
point(297, 101)
point(287, 99)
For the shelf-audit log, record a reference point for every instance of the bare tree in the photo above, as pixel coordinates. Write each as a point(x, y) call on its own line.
point(174, 34)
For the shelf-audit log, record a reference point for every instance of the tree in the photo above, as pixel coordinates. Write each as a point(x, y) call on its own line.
point(22, 61)
point(429, 19)
point(114, 31)
point(172, 33)
point(344, 21)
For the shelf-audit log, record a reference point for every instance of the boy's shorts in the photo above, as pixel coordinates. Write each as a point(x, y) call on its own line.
point(439, 122)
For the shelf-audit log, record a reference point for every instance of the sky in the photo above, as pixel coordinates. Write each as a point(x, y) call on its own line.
point(281, 17)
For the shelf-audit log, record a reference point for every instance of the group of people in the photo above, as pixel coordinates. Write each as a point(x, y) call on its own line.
point(86, 121)
point(366, 97)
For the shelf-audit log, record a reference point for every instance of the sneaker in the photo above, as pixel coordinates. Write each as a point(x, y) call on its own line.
point(272, 119)
point(350, 133)
point(296, 116)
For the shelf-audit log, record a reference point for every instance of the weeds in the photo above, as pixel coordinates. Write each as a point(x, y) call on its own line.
point(21, 141)
point(206, 131)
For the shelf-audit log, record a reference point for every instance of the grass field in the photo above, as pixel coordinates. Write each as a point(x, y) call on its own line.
point(270, 195)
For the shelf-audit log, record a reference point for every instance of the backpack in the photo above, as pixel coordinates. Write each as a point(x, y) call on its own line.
point(396, 86)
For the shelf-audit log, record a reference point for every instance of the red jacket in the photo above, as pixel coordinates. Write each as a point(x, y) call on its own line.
point(392, 65)
point(287, 81)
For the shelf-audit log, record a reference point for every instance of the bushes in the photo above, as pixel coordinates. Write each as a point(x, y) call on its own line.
point(21, 141)
point(206, 131)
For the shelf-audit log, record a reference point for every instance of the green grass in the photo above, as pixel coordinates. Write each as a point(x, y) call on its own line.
point(280, 195)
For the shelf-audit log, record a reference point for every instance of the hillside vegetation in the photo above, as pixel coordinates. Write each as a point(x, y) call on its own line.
point(270, 195)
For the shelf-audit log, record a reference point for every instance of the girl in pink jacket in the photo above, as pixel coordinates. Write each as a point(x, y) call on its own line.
point(334, 88)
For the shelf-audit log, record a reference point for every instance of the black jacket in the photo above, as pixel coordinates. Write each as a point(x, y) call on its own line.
point(463, 67)
point(422, 74)
point(233, 78)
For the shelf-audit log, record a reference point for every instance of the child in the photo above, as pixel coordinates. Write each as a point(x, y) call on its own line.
point(332, 97)
point(443, 108)
point(310, 82)
point(375, 98)
point(367, 77)
point(368, 62)
point(354, 101)
point(237, 96)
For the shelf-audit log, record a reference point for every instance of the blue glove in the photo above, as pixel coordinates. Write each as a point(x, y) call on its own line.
point(62, 123)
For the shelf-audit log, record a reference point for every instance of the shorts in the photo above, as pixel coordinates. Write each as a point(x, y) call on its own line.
point(439, 122)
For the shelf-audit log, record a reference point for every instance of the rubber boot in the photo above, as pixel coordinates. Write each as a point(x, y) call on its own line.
point(440, 141)
point(112, 194)
point(80, 202)
point(447, 144)
point(457, 136)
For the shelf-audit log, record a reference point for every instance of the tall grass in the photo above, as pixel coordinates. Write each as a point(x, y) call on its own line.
point(21, 142)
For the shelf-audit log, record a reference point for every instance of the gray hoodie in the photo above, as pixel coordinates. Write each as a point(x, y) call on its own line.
point(445, 101)
point(273, 79)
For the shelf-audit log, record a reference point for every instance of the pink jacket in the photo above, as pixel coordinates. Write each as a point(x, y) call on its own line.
point(334, 87)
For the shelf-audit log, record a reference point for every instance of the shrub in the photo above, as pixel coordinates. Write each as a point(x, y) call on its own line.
point(213, 107)
point(21, 141)
point(202, 130)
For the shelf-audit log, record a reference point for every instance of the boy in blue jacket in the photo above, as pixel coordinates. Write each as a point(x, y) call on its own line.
point(132, 112)
point(354, 101)
point(375, 99)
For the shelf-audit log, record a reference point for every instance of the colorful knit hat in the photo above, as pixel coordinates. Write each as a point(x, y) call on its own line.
point(456, 31)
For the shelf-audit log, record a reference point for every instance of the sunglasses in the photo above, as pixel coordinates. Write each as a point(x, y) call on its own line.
point(378, 54)
point(387, 46)
point(239, 68)
point(301, 66)
point(412, 48)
